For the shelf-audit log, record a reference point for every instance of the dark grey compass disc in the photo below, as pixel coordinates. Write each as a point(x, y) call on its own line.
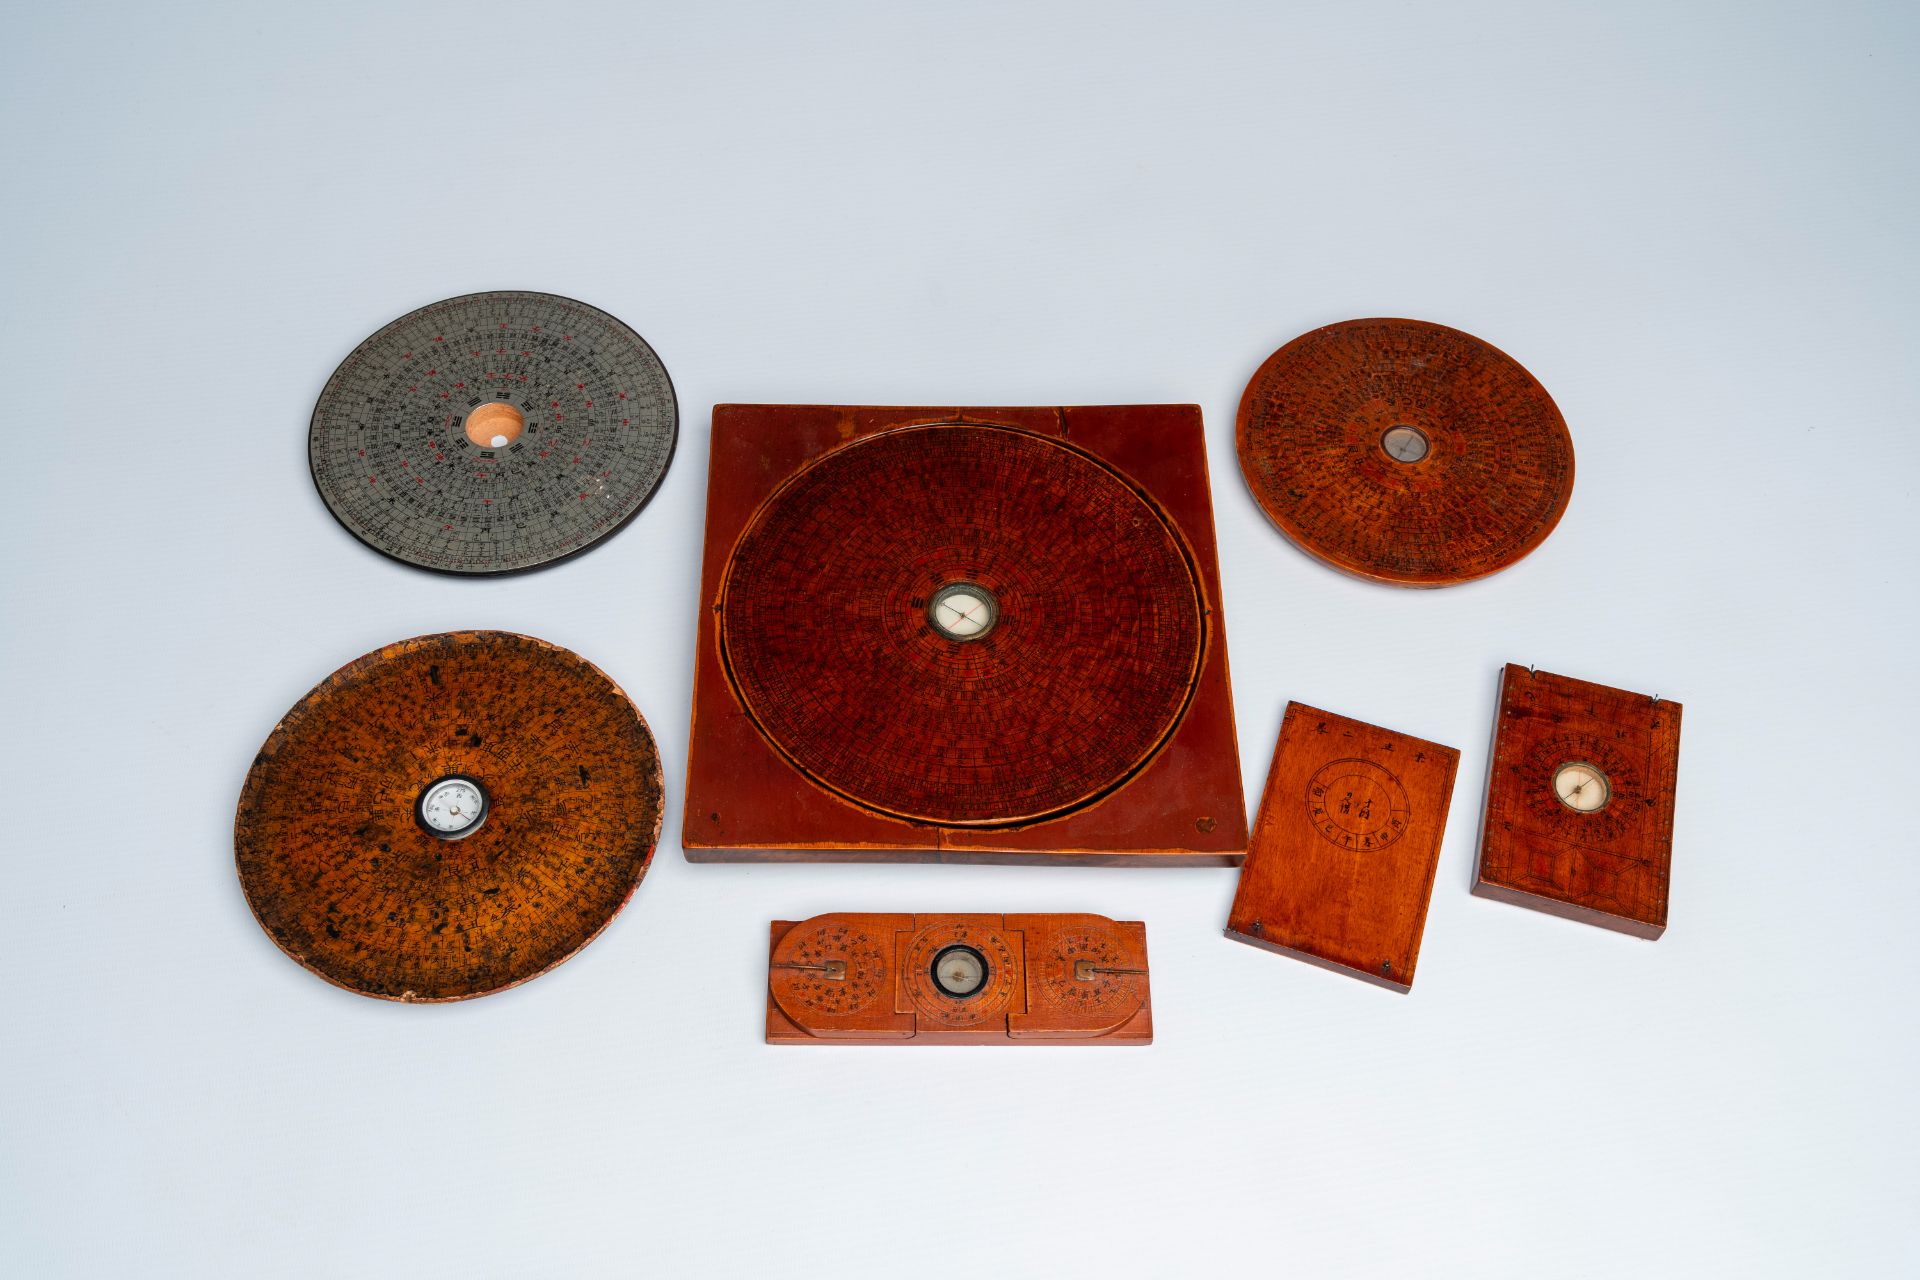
point(493, 433)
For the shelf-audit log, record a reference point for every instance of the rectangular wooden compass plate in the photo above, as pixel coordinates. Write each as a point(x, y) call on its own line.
point(1341, 865)
point(747, 803)
point(1043, 1008)
point(1608, 868)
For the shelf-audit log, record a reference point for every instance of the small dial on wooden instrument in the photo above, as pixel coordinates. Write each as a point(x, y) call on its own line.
point(1404, 443)
point(1582, 787)
point(960, 971)
point(1088, 971)
point(1586, 785)
point(960, 975)
point(963, 611)
point(834, 969)
point(452, 807)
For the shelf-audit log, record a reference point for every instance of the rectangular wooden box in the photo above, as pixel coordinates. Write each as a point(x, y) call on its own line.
point(1608, 867)
point(1340, 868)
point(746, 802)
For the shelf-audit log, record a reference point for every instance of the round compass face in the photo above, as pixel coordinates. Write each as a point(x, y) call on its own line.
point(959, 975)
point(1582, 787)
point(493, 433)
point(1404, 443)
point(959, 971)
point(963, 611)
point(452, 807)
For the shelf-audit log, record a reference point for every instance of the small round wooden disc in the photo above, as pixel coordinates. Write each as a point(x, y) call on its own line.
point(344, 869)
point(1405, 452)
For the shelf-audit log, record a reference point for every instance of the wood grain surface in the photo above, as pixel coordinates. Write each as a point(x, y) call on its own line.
point(1048, 979)
point(347, 882)
point(1610, 866)
point(1340, 868)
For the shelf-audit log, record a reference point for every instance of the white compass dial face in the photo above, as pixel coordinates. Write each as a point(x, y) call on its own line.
point(963, 611)
point(453, 807)
point(960, 971)
point(1582, 787)
point(1404, 443)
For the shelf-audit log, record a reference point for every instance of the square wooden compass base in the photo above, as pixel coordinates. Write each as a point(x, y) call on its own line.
point(962, 635)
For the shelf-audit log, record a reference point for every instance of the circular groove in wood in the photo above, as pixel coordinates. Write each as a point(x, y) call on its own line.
point(1090, 661)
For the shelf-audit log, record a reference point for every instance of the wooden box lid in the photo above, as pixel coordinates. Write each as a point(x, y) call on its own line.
point(1341, 863)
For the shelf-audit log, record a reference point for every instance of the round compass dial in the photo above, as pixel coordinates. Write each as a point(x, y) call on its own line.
point(959, 974)
point(1405, 444)
point(452, 807)
point(1582, 787)
point(493, 433)
point(959, 971)
point(963, 611)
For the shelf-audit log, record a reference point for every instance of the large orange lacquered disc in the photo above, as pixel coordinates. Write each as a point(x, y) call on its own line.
point(344, 876)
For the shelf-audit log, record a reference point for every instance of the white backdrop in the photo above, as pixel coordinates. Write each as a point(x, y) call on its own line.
point(1694, 223)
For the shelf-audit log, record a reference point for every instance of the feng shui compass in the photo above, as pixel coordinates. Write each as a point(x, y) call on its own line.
point(1405, 452)
point(961, 634)
point(493, 433)
point(958, 979)
point(1580, 800)
point(448, 816)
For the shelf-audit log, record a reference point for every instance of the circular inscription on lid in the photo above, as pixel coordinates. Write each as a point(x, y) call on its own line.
point(1065, 661)
point(1405, 452)
point(1356, 804)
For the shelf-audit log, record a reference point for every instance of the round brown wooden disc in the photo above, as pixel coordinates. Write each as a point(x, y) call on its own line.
point(346, 873)
point(1405, 452)
point(1071, 649)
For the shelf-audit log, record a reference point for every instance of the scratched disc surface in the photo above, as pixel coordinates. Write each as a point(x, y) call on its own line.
point(493, 433)
point(963, 624)
point(1405, 452)
point(345, 872)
